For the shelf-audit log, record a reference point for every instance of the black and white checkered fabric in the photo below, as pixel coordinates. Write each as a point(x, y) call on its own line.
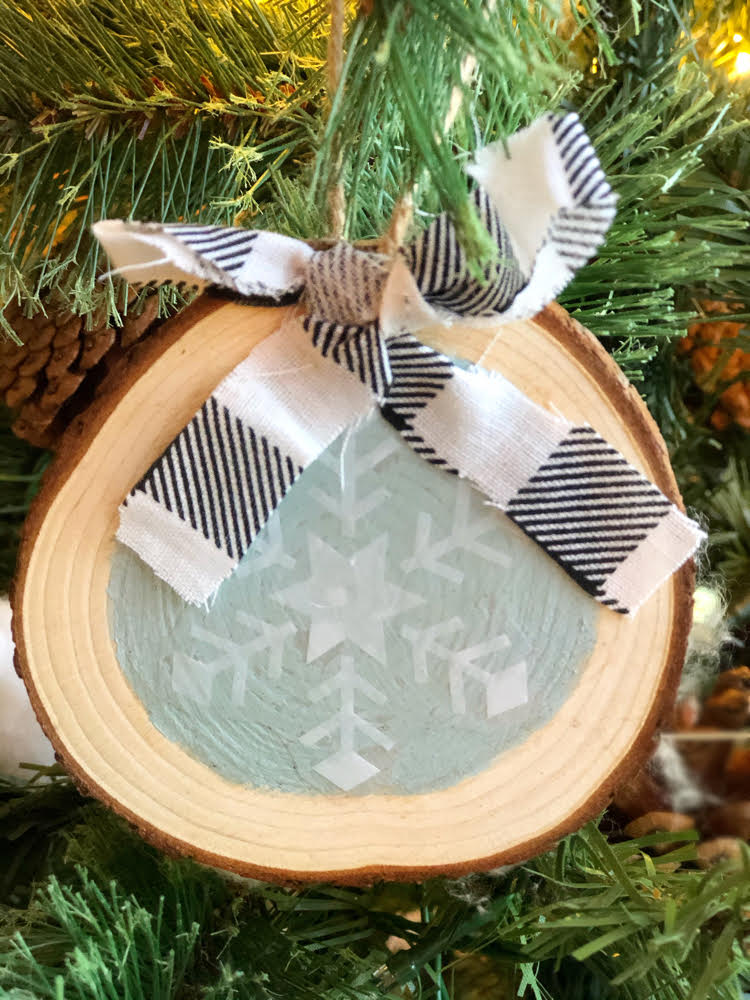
point(220, 477)
point(419, 375)
point(546, 204)
point(440, 267)
point(589, 509)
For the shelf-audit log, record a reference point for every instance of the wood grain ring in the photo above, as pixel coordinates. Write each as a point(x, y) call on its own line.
point(530, 796)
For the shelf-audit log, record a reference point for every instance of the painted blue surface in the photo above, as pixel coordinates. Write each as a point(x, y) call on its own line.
point(377, 637)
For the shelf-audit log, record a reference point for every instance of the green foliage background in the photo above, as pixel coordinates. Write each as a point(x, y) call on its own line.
point(216, 112)
point(113, 918)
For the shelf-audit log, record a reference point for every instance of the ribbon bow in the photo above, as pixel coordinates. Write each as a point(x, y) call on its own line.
point(545, 201)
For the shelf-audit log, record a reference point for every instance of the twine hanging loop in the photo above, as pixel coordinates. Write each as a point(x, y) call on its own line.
point(334, 68)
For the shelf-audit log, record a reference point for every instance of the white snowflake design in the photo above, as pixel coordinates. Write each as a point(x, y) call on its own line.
point(346, 768)
point(348, 601)
point(195, 677)
point(465, 533)
point(346, 598)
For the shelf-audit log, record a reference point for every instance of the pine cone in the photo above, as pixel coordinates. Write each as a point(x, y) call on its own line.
point(58, 370)
point(716, 364)
point(720, 768)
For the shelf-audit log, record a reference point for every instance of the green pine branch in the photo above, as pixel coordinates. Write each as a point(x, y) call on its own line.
point(214, 114)
point(113, 917)
point(184, 110)
point(405, 65)
point(113, 109)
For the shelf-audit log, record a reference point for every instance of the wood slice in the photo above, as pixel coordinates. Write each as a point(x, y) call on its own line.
point(525, 800)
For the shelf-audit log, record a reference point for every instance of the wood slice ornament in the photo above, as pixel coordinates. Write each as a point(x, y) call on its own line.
point(394, 679)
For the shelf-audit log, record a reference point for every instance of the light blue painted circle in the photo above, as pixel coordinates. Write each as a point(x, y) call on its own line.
point(379, 636)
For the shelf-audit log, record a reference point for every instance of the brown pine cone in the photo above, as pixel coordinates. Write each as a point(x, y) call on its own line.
point(58, 369)
point(729, 709)
point(718, 767)
point(731, 819)
point(718, 365)
point(719, 850)
point(660, 822)
point(737, 678)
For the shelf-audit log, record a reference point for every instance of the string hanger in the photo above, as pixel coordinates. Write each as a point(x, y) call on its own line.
point(334, 68)
point(403, 210)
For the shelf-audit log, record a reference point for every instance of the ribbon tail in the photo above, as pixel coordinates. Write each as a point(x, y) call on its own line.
point(546, 203)
point(611, 530)
point(615, 533)
point(244, 261)
point(199, 507)
point(553, 200)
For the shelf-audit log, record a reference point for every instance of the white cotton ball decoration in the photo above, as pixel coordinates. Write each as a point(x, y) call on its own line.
point(21, 736)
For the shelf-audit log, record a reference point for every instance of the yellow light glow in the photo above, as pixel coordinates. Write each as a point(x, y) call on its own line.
point(736, 37)
point(707, 607)
point(742, 64)
point(720, 47)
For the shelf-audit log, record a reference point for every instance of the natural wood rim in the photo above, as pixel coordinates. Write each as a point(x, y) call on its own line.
point(631, 410)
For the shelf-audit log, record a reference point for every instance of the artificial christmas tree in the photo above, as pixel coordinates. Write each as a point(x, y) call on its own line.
point(136, 112)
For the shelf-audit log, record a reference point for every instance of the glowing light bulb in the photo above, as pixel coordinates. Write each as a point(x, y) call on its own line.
point(742, 64)
point(706, 606)
point(736, 37)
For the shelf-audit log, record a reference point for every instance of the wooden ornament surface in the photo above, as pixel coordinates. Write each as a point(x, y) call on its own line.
point(528, 798)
